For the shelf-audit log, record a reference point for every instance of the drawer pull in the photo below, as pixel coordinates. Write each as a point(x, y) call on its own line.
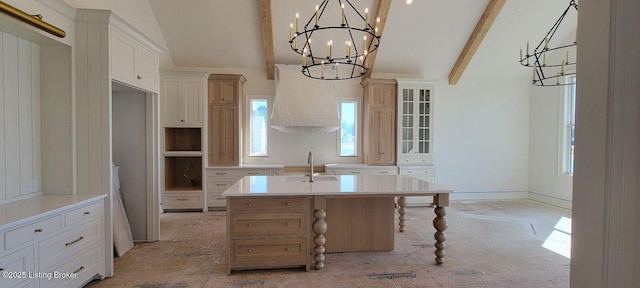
point(249, 204)
point(287, 204)
point(355, 172)
point(286, 249)
point(139, 77)
point(249, 225)
point(384, 172)
point(249, 250)
point(74, 241)
point(182, 199)
point(287, 224)
point(221, 184)
point(38, 230)
point(253, 173)
point(78, 270)
point(221, 173)
point(86, 213)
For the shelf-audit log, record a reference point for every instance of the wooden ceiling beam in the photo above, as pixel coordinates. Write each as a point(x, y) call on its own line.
point(484, 24)
point(267, 37)
point(381, 12)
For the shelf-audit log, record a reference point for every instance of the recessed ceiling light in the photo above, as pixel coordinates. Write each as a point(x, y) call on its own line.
point(409, 1)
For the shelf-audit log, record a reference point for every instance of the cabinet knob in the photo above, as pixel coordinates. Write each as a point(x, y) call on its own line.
point(181, 120)
point(286, 249)
point(249, 225)
point(249, 250)
point(86, 213)
point(249, 204)
point(139, 77)
point(287, 204)
point(287, 224)
point(38, 230)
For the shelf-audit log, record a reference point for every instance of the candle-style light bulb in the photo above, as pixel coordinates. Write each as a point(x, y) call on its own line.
point(297, 18)
point(376, 31)
point(562, 68)
point(290, 30)
point(520, 53)
point(366, 18)
point(317, 14)
point(304, 56)
point(533, 76)
point(337, 66)
point(365, 43)
point(342, 6)
point(322, 70)
point(527, 53)
point(567, 60)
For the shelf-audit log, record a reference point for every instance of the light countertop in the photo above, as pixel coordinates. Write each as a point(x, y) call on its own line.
point(334, 185)
point(15, 213)
point(248, 166)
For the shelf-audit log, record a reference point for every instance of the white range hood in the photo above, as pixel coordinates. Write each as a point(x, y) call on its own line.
point(302, 104)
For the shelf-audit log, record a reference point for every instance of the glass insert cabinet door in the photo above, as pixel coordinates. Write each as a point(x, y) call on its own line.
point(415, 122)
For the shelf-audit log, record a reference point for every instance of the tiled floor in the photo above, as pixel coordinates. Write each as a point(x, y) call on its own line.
point(489, 244)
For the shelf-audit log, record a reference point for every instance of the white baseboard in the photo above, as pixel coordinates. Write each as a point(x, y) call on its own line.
point(489, 195)
point(555, 201)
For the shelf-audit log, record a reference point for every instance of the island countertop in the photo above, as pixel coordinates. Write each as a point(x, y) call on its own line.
point(341, 185)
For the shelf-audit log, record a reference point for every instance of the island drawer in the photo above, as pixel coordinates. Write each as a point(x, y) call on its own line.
point(270, 252)
point(260, 204)
point(268, 224)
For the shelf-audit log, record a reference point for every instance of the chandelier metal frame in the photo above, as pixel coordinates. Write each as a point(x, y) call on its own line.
point(543, 72)
point(326, 67)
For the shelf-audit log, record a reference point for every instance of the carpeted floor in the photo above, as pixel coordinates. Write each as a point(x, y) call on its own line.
point(489, 244)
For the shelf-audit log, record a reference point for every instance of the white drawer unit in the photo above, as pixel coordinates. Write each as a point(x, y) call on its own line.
point(49, 238)
point(426, 173)
point(182, 200)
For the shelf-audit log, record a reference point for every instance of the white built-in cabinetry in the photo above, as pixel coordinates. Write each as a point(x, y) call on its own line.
point(221, 178)
point(45, 235)
point(415, 105)
point(183, 98)
point(132, 63)
point(415, 131)
point(359, 169)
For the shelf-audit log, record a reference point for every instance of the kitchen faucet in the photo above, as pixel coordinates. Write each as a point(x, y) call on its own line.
point(310, 161)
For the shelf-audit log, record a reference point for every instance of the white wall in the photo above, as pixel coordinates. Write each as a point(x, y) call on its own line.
point(481, 137)
point(20, 115)
point(130, 154)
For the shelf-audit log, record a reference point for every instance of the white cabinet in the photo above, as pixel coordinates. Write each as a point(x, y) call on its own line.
point(426, 173)
point(415, 122)
point(359, 169)
point(58, 234)
point(221, 178)
point(183, 97)
point(132, 63)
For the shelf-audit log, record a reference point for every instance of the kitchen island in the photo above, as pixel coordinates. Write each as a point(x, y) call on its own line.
point(272, 221)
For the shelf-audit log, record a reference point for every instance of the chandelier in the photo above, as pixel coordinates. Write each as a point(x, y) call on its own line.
point(339, 23)
point(550, 74)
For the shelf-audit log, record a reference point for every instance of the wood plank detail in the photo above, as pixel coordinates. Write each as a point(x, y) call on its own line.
point(484, 24)
point(381, 12)
point(267, 37)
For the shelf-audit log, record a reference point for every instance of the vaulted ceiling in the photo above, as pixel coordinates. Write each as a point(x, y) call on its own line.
point(423, 39)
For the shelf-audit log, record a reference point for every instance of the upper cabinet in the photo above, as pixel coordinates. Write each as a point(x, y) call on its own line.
point(415, 122)
point(132, 63)
point(183, 96)
point(379, 121)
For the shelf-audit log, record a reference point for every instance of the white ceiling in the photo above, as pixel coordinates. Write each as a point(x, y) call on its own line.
point(422, 39)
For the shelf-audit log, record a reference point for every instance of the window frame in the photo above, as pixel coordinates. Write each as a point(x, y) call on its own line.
point(248, 119)
point(567, 125)
point(358, 134)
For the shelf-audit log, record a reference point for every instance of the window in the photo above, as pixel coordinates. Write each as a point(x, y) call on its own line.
point(258, 126)
point(348, 133)
point(570, 126)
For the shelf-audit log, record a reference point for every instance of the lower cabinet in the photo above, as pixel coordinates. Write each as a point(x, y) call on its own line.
point(268, 232)
point(61, 249)
point(426, 173)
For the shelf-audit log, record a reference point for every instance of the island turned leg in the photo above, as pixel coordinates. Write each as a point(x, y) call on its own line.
point(319, 228)
point(440, 224)
point(402, 210)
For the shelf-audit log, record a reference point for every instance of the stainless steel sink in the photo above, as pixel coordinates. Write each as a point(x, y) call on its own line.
point(316, 178)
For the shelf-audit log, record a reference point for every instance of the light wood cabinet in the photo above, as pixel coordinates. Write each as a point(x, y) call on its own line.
point(225, 94)
point(132, 63)
point(221, 178)
point(183, 170)
point(379, 121)
point(268, 232)
point(183, 96)
point(415, 122)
